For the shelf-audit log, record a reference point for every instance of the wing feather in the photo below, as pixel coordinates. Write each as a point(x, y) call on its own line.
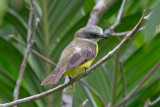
point(81, 57)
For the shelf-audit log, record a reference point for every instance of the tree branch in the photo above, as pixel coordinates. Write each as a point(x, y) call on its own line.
point(88, 71)
point(110, 30)
point(124, 33)
point(118, 19)
point(125, 99)
point(99, 9)
point(33, 51)
point(93, 91)
point(30, 22)
point(149, 103)
point(29, 44)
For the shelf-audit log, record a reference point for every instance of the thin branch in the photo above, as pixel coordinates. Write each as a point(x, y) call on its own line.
point(33, 51)
point(155, 101)
point(84, 103)
point(88, 71)
point(149, 103)
point(125, 99)
point(124, 33)
point(29, 32)
point(118, 19)
point(29, 44)
point(99, 9)
point(110, 30)
point(123, 79)
point(93, 91)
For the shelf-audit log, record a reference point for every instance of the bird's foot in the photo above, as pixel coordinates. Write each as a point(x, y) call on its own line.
point(70, 79)
point(86, 68)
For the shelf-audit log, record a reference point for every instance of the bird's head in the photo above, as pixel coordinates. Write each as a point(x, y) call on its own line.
point(90, 32)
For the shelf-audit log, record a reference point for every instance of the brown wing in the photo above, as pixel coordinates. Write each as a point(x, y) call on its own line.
point(54, 77)
point(81, 57)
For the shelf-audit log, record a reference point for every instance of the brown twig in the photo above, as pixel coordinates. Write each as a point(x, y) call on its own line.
point(124, 33)
point(118, 19)
point(29, 44)
point(88, 71)
point(33, 51)
point(128, 96)
point(29, 31)
point(99, 9)
point(148, 103)
point(93, 91)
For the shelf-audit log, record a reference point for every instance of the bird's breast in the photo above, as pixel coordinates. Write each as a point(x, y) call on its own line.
point(80, 68)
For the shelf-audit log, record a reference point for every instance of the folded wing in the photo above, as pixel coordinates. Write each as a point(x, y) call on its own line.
point(81, 57)
point(73, 61)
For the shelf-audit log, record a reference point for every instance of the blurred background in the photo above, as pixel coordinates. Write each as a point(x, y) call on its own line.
point(59, 20)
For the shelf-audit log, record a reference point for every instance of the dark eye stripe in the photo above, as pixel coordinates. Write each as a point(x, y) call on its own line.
point(91, 35)
point(94, 35)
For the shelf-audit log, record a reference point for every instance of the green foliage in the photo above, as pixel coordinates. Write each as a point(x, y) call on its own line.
point(63, 19)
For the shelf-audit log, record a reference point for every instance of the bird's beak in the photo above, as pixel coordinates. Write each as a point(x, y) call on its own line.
point(104, 36)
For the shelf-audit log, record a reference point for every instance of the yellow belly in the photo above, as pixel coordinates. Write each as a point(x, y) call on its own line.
point(80, 69)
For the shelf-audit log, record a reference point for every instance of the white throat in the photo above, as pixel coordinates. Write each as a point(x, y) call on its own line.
point(90, 40)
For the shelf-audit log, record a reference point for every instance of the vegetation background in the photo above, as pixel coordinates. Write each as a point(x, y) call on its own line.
point(59, 20)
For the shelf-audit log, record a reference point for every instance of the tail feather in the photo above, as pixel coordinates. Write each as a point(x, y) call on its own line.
point(54, 77)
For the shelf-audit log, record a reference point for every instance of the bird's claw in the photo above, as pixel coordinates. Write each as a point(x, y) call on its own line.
point(86, 69)
point(70, 79)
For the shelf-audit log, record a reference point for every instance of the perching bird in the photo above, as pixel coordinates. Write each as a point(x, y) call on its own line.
point(78, 55)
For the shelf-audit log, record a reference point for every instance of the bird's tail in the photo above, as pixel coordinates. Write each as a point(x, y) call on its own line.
point(54, 77)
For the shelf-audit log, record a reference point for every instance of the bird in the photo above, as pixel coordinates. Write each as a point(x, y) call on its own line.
point(78, 55)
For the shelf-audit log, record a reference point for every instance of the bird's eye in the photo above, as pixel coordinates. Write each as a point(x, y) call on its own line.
point(94, 35)
point(91, 35)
